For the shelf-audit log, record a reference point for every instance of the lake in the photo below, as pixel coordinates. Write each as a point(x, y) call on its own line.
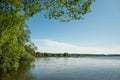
point(82, 68)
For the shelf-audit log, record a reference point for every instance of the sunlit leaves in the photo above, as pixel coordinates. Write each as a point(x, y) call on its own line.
point(66, 10)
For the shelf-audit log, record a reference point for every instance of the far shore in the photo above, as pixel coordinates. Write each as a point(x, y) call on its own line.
point(41, 54)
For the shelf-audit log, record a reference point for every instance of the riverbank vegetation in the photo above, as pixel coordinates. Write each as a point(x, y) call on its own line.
point(15, 44)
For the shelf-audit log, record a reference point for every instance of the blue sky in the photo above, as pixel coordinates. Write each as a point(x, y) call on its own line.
point(99, 32)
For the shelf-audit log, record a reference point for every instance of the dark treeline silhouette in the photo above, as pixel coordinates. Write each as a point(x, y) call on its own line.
point(45, 54)
point(41, 54)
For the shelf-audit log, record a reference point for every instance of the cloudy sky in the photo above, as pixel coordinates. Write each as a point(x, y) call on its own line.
point(98, 33)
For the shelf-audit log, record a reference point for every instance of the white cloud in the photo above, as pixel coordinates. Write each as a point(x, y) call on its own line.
point(45, 45)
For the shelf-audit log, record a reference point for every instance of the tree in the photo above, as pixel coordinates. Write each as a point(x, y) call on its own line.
point(66, 10)
point(65, 54)
point(13, 17)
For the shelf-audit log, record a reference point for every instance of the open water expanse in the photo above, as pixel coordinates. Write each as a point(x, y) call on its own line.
point(81, 68)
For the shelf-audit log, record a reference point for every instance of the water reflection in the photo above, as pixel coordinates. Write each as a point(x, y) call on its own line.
point(23, 73)
point(83, 68)
point(87, 68)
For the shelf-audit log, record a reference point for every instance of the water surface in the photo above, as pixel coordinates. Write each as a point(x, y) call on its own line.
point(83, 68)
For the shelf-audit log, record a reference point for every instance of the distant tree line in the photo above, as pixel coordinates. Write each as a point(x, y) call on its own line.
point(45, 54)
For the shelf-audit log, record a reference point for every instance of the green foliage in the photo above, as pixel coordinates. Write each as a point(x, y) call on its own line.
point(14, 34)
point(11, 49)
point(30, 48)
point(66, 10)
point(9, 46)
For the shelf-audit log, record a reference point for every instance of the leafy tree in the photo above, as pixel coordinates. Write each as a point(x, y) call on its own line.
point(66, 10)
point(14, 14)
point(9, 46)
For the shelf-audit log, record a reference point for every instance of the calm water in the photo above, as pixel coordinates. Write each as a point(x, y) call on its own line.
point(85, 68)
